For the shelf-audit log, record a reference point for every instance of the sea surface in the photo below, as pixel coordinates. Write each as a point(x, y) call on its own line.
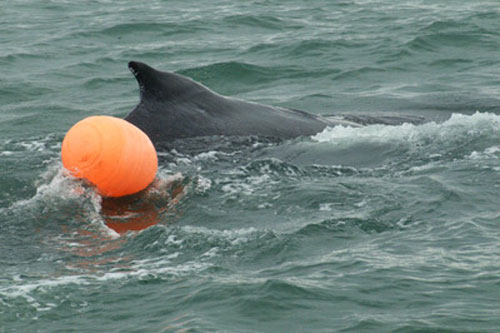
point(382, 228)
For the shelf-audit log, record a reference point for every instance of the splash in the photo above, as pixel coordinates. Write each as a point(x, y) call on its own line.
point(459, 126)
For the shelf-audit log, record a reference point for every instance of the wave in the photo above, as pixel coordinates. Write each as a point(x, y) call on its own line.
point(458, 129)
point(260, 22)
point(234, 76)
point(164, 28)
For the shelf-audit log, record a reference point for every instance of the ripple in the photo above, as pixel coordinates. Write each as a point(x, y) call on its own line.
point(261, 22)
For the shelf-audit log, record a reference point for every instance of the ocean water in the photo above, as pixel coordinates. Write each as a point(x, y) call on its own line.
point(383, 228)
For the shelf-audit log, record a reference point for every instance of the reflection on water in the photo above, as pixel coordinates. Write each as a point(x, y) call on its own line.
point(97, 251)
point(140, 211)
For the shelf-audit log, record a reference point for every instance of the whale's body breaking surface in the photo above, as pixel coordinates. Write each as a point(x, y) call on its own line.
point(173, 106)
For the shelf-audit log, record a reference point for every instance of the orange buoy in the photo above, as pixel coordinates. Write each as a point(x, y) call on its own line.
point(111, 153)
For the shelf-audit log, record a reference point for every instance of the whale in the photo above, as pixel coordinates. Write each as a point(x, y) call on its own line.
point(173, 106)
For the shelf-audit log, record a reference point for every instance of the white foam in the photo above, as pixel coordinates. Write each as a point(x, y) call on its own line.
point(210, 253)
point(210, 155)
point(164, 180)
point(61, 185)
point(26, 290)
point(234, 236)
point(457, 125)
point(488, 153)
point(203, 184)
point(173, 240)
point(155, 269)
point(492, 150)
point(33, 146)
point(183, 160)
point(248, 185)
point(138, 269)
point(326, 207)
point(265, 205)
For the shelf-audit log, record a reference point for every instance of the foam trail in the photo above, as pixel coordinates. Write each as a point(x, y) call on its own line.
point(458, 125)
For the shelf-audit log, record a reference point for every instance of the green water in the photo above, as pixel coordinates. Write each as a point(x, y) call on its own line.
point(373, 229)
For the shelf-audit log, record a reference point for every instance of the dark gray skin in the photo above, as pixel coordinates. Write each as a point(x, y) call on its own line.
point(173, 107)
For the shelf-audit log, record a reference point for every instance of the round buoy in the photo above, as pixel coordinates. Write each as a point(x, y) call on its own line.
point(111, 153)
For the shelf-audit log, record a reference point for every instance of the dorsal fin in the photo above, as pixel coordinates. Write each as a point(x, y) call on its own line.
point(162, 85)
